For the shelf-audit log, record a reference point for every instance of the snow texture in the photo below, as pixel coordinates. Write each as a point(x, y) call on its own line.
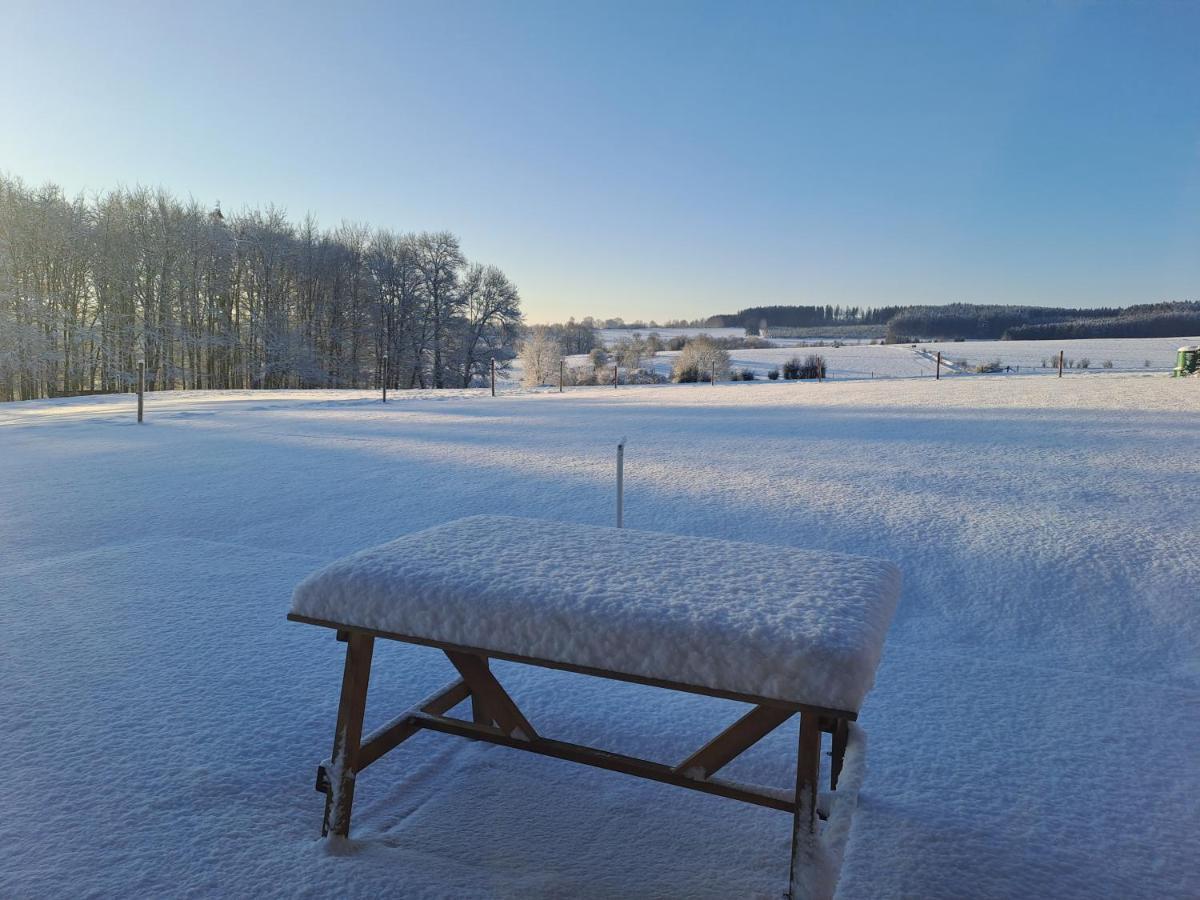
point(1033, 728)
point(796, 625)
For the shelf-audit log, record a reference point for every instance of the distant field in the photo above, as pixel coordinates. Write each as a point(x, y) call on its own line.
point(853, 361)
point(1126, 354)
point(611, 335)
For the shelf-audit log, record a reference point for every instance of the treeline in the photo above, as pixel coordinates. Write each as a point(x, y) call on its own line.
point(88, 286)
point(969, 321)
point(754, 318)
point(978, 322)
point(1145, 320)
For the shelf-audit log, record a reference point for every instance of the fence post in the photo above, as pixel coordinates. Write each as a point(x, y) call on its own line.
point(616, 375)
point(560, 375)
point(385, 374)
point(713, 379)
point(1060, 363)
point(141, 386)
point(493, 376)
point(937, 373)
point(621, 483)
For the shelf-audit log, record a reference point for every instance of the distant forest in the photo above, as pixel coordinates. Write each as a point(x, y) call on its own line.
point(968, 321)
point(88, 286)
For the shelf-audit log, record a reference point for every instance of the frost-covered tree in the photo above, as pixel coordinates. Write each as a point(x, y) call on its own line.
point(491, 320)
point(540, 356)
point(217, 300)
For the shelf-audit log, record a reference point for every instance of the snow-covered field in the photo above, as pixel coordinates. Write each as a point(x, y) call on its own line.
point(1033, 730)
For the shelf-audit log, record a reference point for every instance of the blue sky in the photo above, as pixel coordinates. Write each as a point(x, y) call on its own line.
point(658, 160)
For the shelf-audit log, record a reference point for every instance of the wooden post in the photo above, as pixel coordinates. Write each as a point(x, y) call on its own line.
point(621, 483)
point(713, 378)
point(347, 739)
point(141, 386)
point(493, 376)
point(385, 376)
point(804, 822)
point(937, 373)
point(1060, 363)
point(616, 375)
point(561, 365)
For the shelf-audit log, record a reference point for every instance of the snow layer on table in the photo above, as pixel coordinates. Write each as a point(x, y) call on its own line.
point(1045, 529)
point(794, 625)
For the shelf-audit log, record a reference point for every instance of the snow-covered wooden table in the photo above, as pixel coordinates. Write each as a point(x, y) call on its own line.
point(787, 631)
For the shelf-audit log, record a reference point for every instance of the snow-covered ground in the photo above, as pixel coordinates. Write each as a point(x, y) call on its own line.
point(1033, 730)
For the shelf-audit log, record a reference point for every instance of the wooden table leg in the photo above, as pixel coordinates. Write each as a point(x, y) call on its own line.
point(805, 823)
point(479, 713)
point(347, 739)
point(841, 736)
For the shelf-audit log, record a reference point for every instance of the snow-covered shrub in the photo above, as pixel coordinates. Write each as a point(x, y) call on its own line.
point(579, 376)
point(989, 367)
point(1108, 364)
point(773, 374)
point(812, 366)
point(1083, 363)
point(644, 376)
point(697, 360)
point(598, 358)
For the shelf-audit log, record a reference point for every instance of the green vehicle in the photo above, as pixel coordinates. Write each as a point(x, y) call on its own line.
point(1187, 361)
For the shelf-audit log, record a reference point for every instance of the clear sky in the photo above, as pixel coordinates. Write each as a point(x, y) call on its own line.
point(657, 160)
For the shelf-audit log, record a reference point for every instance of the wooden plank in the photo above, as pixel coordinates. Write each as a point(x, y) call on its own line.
point(613, 675)
point(603, 759)
point(805, 819)
point(733, 741)
point(347, 738)
point(497, 704)
point(389, 736)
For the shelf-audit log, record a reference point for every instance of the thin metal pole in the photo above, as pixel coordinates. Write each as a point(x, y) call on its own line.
point(1060, 363)
point(493, 376)
point(141, 386)
point(621, 484)
point(938, 372)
